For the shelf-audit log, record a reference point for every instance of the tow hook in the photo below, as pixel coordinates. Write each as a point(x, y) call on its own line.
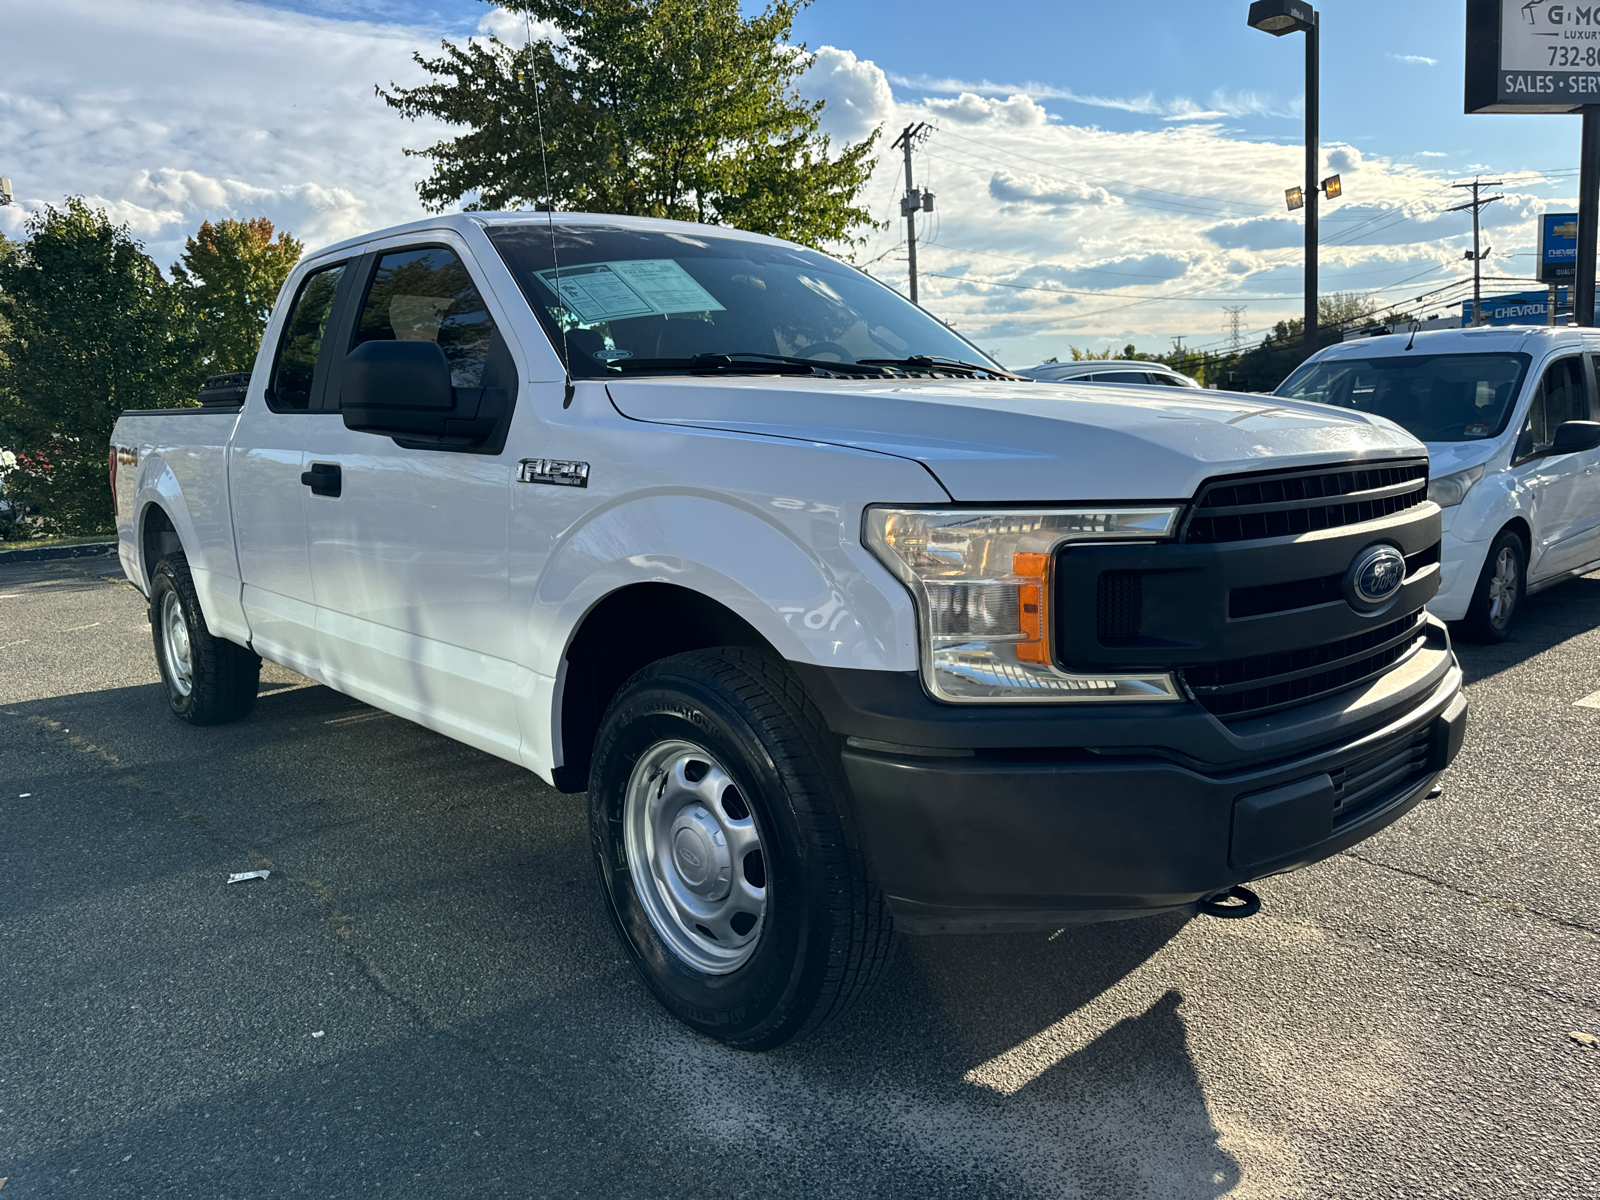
point(1234, 904)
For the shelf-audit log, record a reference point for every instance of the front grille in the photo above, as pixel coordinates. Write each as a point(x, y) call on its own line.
point(1285, 503)
point(1372, 781)
point(1263, 683)
point(1119, 612)
point(1306, 593)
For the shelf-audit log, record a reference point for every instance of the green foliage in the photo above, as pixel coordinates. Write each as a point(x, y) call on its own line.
point(92, 328)
point(229, 279)
point(684, 109)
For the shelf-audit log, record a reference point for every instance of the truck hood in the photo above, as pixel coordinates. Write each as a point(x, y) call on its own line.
point(997, 442)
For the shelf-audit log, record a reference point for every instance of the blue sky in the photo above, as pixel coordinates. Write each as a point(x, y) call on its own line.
point(1107, 173)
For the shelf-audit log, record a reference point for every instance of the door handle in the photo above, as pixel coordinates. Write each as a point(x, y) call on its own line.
point(324, 479)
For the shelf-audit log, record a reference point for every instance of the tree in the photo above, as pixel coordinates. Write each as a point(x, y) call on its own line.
point(92, 328)
point(683, 109)
point(229, 280)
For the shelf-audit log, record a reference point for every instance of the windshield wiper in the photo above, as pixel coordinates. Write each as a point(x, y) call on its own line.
point(937, 362)
point(753, 362)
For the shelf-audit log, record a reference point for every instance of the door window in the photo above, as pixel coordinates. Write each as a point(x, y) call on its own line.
point(296, 368)
point(1562, 397)
point(426, 295)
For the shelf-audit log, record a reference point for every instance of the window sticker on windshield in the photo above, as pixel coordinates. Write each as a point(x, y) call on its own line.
point(634, 288)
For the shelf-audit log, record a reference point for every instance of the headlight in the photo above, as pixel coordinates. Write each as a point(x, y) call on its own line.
point(983, 586)
point(1450, 490)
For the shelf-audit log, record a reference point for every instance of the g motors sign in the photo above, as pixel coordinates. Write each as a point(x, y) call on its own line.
point(1532, 56)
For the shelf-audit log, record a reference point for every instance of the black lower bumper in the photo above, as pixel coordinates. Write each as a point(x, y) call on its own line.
point(967, 838)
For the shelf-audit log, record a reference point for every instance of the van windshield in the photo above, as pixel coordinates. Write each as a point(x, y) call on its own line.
point(630, 300)
point(1436, 397)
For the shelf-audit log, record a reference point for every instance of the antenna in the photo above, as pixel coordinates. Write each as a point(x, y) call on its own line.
point(549, 208)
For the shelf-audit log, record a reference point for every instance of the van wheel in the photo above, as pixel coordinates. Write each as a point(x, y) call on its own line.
point(209, 680)
point(1498, 597)
point(730, 865)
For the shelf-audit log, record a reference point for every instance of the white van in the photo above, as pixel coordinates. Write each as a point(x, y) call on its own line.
point(1508, 416)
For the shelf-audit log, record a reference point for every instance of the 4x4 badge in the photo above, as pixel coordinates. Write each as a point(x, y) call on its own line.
point(553, 470)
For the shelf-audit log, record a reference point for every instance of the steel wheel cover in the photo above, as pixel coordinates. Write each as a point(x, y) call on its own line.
point(175, 645)
point(695, 855)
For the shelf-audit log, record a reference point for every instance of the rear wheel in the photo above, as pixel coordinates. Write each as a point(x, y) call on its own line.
point(728, 859)
point(209, 680)
point(1498, 597)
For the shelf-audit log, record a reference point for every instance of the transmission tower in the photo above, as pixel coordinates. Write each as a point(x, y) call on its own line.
point(1233, 325)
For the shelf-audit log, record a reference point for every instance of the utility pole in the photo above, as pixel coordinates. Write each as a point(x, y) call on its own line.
point(913, 201)
point(1477, 254)
point(1235, 326)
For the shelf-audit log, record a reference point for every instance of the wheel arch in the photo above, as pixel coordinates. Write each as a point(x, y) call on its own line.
point(659, 620)
point(158, 537)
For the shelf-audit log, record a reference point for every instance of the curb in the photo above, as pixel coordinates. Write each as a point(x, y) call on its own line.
point(45, 553)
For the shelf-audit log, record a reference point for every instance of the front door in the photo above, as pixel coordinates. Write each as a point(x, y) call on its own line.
point(408, 544)
point(264, 469)
point(1558, 485)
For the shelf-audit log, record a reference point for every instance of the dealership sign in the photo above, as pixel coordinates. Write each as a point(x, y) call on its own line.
point(1519, 308)
point(1532, 56)
point(1558, 247)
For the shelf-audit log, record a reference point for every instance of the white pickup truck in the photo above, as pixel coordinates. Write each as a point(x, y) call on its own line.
point(841, 626)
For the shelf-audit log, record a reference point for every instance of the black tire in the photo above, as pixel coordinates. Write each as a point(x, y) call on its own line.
point(825, 933)
point(1502, 585)
point(223, 677)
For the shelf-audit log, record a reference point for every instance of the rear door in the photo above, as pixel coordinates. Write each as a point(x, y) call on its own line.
point(408, 551)
point(264, 469)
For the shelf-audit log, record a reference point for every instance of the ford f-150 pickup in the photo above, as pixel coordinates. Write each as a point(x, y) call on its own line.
point(841, 627)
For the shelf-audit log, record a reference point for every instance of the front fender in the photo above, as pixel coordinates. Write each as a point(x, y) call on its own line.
point(821, 600)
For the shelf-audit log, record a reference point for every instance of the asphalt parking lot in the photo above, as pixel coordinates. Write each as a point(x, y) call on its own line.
point(424, 998)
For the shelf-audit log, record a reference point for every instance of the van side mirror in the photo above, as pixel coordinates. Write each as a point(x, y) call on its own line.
point(1574, 437)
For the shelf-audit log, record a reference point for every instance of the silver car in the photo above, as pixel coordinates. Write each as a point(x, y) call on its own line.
point(1116, 370)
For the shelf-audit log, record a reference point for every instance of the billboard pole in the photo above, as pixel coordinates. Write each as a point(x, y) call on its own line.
point(1588, 219)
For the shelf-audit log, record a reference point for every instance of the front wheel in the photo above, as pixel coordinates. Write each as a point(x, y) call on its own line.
point(728, 859)
point(209, 680)
point(1498, 597)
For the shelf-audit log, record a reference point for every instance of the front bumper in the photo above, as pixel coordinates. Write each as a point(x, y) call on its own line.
point(973, 822)
point(1460, 564)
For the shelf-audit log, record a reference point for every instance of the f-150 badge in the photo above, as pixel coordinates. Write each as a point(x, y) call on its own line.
point(553, 470)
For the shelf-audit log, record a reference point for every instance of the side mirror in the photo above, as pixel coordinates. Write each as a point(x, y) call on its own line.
point(1574, 437)
point(396, 388)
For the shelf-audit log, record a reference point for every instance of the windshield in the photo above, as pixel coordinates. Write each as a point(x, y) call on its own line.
point(1436, 397)
point(632, 299)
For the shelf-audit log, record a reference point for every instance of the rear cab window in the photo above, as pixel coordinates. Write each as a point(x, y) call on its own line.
point(292, 385)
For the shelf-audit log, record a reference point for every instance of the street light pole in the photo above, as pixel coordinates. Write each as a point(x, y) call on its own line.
point(1279, 17)
point(1313, 171)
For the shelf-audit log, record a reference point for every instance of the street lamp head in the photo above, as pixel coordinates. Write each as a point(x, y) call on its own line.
point(1279, 17)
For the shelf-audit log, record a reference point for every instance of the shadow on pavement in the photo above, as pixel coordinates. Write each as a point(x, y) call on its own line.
point(496, 1042)
point(1548, 619)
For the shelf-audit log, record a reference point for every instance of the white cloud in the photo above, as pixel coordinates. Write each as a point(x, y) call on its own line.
point(969, 108)
point(513, 28)
point(170, 112)
point(858, 95)
point(1415, 60)
point(1220, 105)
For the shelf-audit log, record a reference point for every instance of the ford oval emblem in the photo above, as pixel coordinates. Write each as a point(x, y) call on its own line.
point(1374, 578)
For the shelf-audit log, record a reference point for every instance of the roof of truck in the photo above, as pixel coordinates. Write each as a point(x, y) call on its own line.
point(485, 220)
